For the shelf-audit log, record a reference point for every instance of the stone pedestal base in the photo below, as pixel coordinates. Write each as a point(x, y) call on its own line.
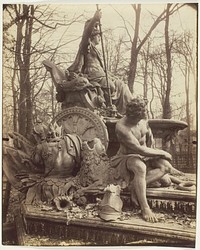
point(133, 231)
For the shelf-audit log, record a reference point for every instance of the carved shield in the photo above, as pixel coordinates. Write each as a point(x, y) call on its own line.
point(82, 122)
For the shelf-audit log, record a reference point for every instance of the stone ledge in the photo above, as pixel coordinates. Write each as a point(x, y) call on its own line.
point(127, 232)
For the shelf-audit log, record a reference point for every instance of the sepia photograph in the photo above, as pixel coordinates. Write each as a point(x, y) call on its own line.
point(99, 124)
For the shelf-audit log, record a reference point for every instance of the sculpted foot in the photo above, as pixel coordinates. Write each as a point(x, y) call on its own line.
point(148, 215)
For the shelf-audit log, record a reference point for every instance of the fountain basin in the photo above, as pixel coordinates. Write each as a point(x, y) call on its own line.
point(163, 128)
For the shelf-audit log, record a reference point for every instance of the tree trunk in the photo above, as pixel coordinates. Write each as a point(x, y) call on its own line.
point(166, 107)
point(146, 60)
point(152, 91)
point(27, 56)
point(23, 49)
point(22, 94)
point(22, 104)
point(14, 94)
point(187, 74)
point(134, 50)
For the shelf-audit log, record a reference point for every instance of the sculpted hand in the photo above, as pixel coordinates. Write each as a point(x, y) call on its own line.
point(167, 156)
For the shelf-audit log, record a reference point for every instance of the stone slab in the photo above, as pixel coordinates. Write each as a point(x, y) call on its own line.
point(94, 230)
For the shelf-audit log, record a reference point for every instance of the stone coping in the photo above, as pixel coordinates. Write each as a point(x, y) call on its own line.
point(127, 231)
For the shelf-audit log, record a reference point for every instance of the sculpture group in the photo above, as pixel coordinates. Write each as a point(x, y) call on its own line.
point(68, 157)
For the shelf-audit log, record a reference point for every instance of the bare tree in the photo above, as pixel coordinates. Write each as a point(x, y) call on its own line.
point(34, 26)
point(184, 48)
point(114, 51)
point(9, 76)
point(137, 43)
point(23, 46)
point(166, 105)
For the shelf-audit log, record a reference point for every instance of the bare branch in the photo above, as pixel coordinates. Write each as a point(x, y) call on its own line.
point(124, 21)
point(57, 24)
point(159, 19)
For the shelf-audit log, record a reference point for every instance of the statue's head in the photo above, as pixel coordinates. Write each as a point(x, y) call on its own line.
point(95, 30)
point(95, 36)
point(136, 109)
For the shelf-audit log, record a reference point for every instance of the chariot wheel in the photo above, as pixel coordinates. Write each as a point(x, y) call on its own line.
point(82, 122)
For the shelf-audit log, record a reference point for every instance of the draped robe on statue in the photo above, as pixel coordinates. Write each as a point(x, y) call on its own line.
point(88, 61)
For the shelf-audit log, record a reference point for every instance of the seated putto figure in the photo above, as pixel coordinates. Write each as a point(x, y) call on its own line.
point(88, 61)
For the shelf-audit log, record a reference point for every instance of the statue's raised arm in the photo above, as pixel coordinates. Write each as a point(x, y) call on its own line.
point(88, 61)
point(90, 29)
